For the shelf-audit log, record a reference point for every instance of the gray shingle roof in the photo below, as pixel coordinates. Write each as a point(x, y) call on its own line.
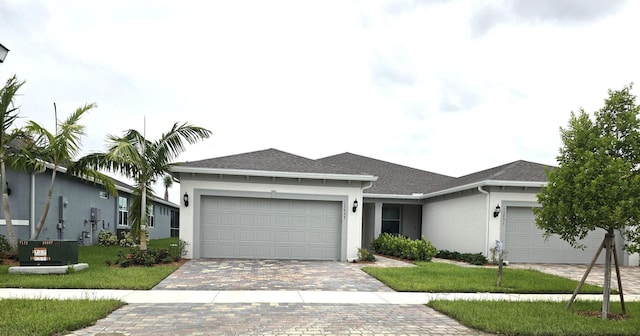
point(393, 179)
point(515, 171)
point(271, 160)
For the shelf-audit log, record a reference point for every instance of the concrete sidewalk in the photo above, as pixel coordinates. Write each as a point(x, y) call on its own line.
point(295, 296)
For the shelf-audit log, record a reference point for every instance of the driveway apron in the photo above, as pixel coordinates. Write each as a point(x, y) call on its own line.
point(275, 318)
point(236, 274)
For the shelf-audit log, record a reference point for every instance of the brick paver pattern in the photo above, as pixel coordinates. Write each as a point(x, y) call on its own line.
point(276, 319)
point(234, 274)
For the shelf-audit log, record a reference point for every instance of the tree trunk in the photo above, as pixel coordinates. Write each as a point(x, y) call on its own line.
point(606, 300)
point(11, 233)
point(143, 218)
point(47, 205)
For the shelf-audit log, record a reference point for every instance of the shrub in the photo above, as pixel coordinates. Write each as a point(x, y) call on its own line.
point(127, 240)
point(150, 257)
point(5, 248)
point(107, 238)
point(403, 247)
point(471, 258)
point(365, 255)
point(179, 250)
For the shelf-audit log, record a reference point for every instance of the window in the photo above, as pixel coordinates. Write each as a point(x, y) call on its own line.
point(175, 224)
point(104, 195)
point(391, 219)
point(151, 221)
point(123, 211)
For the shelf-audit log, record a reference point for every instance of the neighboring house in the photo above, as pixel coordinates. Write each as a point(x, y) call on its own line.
point(272, 204)
point(79, 209)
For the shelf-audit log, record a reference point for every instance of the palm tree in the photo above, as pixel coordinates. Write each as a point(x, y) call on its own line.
point(57, 150)
point(135, 157)
point(168, 182)
point(8, 114)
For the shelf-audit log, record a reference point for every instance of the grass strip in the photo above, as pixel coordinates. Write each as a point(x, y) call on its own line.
point(541, 318)
point(99, 275)
point(448, 278)
point(51, 317)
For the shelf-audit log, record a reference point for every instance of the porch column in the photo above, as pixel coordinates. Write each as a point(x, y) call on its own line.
point(377, 220)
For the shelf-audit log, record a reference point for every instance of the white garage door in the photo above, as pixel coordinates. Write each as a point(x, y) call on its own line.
point(234, 227)
point(525, 243)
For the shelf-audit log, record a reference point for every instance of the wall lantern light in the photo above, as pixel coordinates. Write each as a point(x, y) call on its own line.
point(185, 198)
point(3, 52)
point(8, 189)
point(355, 206)
point(496, 212)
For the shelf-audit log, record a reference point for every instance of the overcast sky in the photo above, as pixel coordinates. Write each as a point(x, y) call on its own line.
point(451, 87)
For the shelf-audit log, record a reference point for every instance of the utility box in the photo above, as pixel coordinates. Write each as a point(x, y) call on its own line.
point(47, 252)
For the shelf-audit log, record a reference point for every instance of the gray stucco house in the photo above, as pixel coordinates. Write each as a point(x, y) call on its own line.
point(273, 204)
point(79, 209)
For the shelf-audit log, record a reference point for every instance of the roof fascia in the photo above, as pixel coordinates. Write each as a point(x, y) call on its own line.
point(487, 183)
point(268, 173)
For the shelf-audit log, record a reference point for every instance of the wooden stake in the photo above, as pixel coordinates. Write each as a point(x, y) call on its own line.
point(586, 274)
point(615, 259)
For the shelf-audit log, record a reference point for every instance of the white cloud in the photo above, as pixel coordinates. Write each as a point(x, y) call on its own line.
point(447, 86)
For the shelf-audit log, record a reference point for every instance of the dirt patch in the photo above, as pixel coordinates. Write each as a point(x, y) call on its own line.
point(598, 314)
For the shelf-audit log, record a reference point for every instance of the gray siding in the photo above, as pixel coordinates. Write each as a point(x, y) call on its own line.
point(80, 196)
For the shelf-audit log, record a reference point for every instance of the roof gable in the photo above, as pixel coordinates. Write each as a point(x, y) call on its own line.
point(515, 171)
point(393, 178)
point(270, 160)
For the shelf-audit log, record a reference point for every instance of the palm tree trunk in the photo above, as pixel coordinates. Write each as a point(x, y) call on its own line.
point(143, 218)
point(47, 204)
point(11, 233)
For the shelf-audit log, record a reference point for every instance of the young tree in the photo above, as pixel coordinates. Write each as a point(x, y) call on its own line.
point(596, 183)
point(57, 150)
point(167, 181)
point(135, 157)
point(8, 114)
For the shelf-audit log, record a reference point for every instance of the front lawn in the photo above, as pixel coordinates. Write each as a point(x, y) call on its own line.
point(448, 278)
point(51, 317)
point(540, 318)
point(99, 275)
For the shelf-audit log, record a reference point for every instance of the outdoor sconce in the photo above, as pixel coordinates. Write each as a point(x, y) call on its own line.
point(355, 206)
point(496, 212)
point(3, 52)
point(185, 198)
point(8, 189)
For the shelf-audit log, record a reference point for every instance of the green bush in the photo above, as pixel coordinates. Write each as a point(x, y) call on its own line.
point(5, 248)
point(471, 258)
point(365, 255)
point(179, 250)
point(127, 240)
point(403, 247)
point(107, 238)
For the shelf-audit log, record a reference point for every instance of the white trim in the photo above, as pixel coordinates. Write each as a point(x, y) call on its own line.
point(266, 173)
point(489, 183)
point(16, 222)
point(475, 185)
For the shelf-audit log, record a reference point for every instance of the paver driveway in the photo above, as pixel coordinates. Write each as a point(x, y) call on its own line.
point(235, 274)
point(275, 318)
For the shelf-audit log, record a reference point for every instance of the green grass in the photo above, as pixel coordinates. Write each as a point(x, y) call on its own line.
point(51, 317)
point(98, 275)
point(448, 278)
point(540, 318)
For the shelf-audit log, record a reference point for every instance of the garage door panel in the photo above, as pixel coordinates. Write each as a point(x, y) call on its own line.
point(233, 227)
point(524, 242)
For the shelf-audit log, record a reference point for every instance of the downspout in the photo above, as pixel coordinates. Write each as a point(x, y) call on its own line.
point(486, 234)
point(32, 206)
